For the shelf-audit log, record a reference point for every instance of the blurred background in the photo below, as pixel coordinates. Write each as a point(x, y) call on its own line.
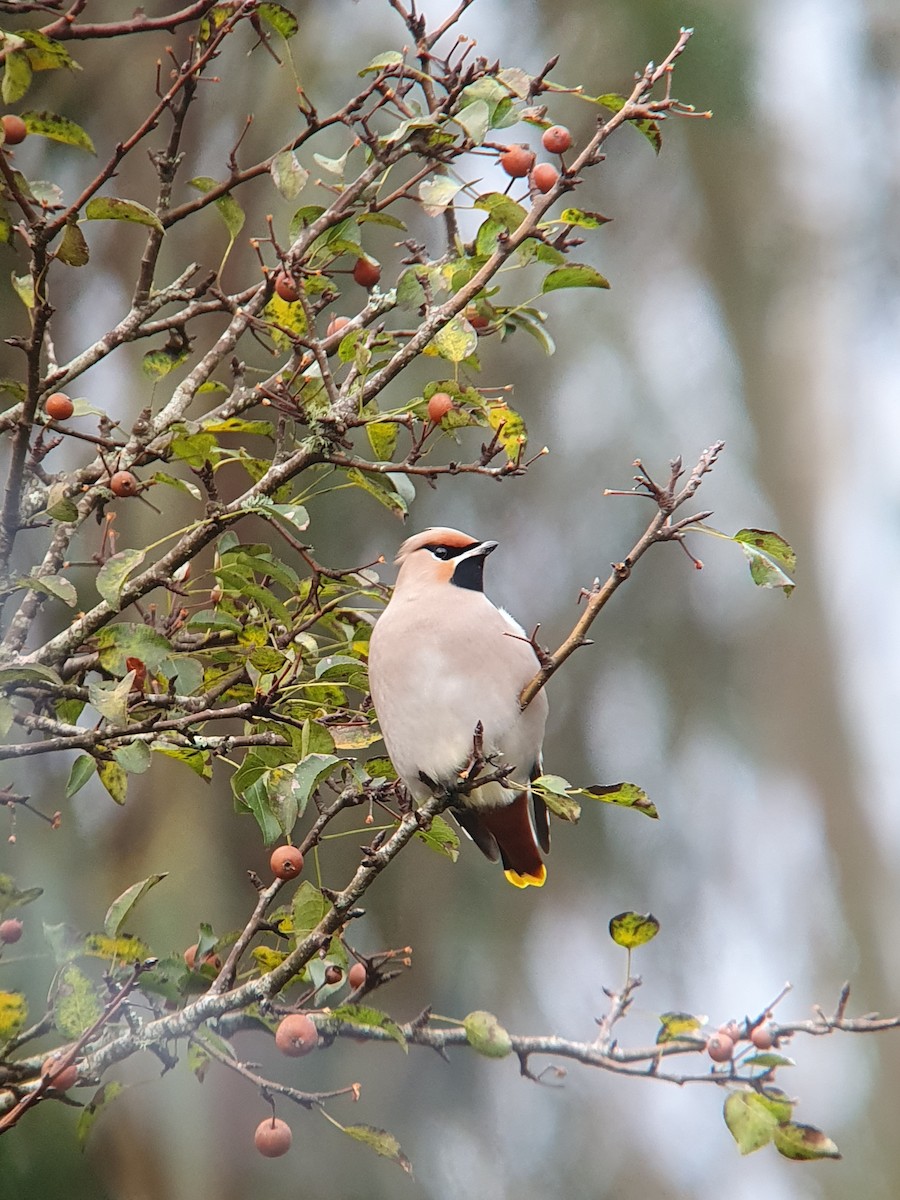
point(754, 268)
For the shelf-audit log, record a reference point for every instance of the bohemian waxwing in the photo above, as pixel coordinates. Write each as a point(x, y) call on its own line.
point(442, 659)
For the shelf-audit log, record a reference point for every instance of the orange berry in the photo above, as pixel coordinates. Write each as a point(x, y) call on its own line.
point(367, 272)
point(438, 406)
point(336, 324)
point(58, 406)
point(556, 139)
point(60, 1079)
point(273, 1137)
point(123, 483)
point(296, 1035)
point(544, 177)
point(210, 959)
point(286, 862)
point(477, 319)
point(356, 976)
point(517, 161)
point(286, 287)
point(14, 129)
point(762, 1038)
point(10, 931)
point(720, 1047)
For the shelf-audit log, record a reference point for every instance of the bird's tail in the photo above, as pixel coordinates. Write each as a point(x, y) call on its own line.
point(511, 828)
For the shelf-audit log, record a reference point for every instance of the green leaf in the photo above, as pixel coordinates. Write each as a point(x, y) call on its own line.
point(226, 205)
point(114, 780)
point(294, 515)
point(676, 1025)
point(631, 929)
point(111, 699)
point(116, 643)
point(576, 275)
point(123, 905)
point(382, 437)
point(12, 675)
point(440, 837)
point(112, 208)
point(456, 341)
point(510, 429)
point(134, 757)
point(13, 1007)
point(7, 716)
point(334, 166)
point(113, 575)
point(82, 769)
point(13, 897)
point(199, 761)
point(75, 1006)
point(532, 321)
point(44, 53)
point(279, 18)
point(390, 58)
point(287, 174)
point(584, 220)
point(770, 558)
point(438, 194)
point(58, 129)
point(501, 208)
point(52, 585)
point(803, 1142)
point(73, 249)
point(122, 948)
point(382, 487)
point(309, 773)
point(475, 119)
point(628, 795)
point(380, 1141)
point(23, 286)
point(308, 909)
point(767, 1060)
point(485, 1034)
point(103, 1096)
point(16, 76)
point(749, 1122)
point(362, 1017)
point(156, 364)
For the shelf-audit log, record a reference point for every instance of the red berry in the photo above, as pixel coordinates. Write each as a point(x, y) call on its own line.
point(544, 177)
point(273, 1137)
point(333, 974)
point(286, 862)
point(356, 976)
point(477, 319)
point(367, 272)
point(732, 1030)
point(556, 139)
point(59, 406)
point(210, 959)
point(517, 161)
point(762, 1038)
point(10, 930)
point(720, 1047)
point(123, 483)
point(59, 1080)
point(286, 287)
point(296, 1035)
point(14, 129)
point(438, 406)
point(336, 324)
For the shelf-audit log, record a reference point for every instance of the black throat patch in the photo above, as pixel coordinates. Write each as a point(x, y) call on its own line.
point(469, 573)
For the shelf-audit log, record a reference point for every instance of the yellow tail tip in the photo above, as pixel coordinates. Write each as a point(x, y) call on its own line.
point(524, 881)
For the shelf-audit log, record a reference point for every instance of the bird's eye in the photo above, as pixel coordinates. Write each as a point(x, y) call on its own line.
point(440, 551)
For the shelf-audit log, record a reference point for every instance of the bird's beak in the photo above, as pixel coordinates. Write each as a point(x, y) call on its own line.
point(483, 549)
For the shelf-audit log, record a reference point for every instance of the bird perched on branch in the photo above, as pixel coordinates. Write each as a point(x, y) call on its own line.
point(446, 667)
